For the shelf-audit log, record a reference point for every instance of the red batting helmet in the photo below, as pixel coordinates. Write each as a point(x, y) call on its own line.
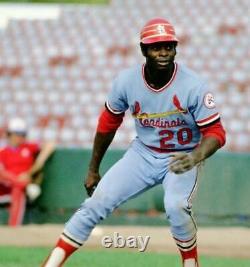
point(158, 30)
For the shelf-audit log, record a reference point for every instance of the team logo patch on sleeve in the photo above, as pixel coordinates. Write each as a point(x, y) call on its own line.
point(209, 100)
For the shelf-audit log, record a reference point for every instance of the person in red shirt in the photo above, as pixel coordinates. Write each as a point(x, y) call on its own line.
point(20, 162)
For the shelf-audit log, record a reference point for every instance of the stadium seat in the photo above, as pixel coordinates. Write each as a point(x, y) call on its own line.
point(65, 67)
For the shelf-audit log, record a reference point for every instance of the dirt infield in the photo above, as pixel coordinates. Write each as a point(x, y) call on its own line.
point(229, 242)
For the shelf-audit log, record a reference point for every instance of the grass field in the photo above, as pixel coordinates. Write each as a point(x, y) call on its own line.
point(32, 257)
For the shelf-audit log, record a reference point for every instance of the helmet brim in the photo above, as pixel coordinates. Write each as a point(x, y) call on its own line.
point(157, 39)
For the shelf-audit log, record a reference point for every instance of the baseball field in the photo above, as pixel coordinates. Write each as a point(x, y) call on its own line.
point(27, 246)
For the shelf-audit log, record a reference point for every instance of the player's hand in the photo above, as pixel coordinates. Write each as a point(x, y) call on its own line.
point(181, 162)
point(24, 177)
point(22, 180)
point(91, 182)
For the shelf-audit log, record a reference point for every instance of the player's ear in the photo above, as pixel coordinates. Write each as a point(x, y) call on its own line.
point(143, 49)
point(176, 44)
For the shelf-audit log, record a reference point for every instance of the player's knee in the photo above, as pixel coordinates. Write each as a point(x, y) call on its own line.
point(174, 205)
point(176, 212)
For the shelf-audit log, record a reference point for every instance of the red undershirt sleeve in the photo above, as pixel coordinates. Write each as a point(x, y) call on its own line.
point(214, 130)
point(109, 122)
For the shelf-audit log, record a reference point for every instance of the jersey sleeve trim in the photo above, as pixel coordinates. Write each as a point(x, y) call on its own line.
point(208, 120)
point(114, 111)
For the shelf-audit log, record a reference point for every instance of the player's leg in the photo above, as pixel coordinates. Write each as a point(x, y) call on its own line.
point(127, 178)
point(179, 190)
point(17, 206)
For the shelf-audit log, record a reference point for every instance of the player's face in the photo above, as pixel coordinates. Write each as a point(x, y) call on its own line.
point(16, 139)
point(161, 55)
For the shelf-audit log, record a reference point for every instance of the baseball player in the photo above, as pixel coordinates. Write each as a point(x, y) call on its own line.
point(177, 125)
point(20, 163)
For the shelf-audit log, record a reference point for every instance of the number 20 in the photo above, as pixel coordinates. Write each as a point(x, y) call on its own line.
point(169, 135)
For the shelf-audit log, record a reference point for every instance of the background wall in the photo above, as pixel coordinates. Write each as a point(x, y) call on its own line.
point(222, 196)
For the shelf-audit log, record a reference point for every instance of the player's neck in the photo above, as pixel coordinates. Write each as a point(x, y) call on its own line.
point(157, 78)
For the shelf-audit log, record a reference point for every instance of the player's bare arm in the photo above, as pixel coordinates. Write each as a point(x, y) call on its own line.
point(101, 144)
point(182, 162)
point(6, 175)
point(47, 149)
point(7, 178)
point(108, 124)
point(24, 177)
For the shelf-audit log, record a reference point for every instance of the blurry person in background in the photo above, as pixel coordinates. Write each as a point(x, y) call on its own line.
point(21, 163)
